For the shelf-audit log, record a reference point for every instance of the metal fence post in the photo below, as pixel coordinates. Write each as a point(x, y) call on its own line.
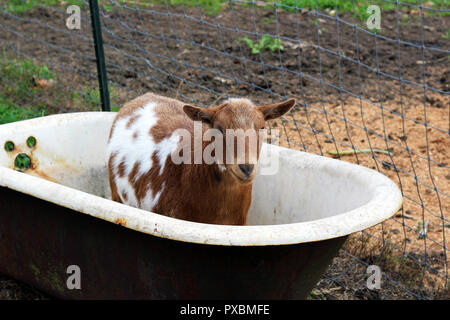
point(100, 55)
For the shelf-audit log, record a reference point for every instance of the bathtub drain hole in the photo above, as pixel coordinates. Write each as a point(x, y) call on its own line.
point(22, 162)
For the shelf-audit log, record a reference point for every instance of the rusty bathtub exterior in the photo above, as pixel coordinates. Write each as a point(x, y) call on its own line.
point(119, 263)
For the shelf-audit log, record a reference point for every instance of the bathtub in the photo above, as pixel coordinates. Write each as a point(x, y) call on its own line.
point(56, 217)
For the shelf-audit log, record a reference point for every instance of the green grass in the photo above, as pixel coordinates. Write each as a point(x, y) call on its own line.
point(446, 35)
point(214, 6)
point(210, 6)
point(22, 6)
point(21, 96)
point(358, 7)
point(9, 112)
point(17, 82)
point(90, 97)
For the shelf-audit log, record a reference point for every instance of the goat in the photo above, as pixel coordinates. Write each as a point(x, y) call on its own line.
point(144, 136)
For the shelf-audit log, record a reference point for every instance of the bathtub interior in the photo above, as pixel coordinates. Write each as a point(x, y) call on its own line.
point(300, 187)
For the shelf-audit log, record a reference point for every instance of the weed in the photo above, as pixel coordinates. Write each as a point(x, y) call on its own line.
point(446, 35)
point(268, 20)
point(265, 43)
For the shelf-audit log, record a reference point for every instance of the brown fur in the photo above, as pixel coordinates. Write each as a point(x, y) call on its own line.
point(114, 193)
point(194, 192)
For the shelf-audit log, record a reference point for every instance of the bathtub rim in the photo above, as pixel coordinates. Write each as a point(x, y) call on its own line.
point(385, 203)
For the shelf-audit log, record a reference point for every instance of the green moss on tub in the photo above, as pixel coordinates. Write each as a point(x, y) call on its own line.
point(35, 270)
point(55, 281)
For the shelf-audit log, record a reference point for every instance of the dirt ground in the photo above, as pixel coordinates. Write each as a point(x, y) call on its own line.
point(354, 90)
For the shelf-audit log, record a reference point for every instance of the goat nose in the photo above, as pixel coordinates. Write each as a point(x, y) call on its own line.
point(246, 168)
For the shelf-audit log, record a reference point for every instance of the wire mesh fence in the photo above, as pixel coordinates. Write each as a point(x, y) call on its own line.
point(378, 97)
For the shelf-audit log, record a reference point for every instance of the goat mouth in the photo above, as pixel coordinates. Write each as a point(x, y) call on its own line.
point(243, 180)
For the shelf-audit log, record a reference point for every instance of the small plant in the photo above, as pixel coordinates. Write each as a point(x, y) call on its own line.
point(446, 35)
point(266, 43)
point(90, 97)
point(422, 228)
point(268, 20)
point(107, 8)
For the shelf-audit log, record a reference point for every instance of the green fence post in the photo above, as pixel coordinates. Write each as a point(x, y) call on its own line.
point(100, 55)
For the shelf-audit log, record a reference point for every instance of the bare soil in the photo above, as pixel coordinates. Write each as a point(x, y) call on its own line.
point(354, 90)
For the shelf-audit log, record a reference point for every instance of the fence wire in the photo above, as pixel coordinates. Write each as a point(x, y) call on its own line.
point(358, 88)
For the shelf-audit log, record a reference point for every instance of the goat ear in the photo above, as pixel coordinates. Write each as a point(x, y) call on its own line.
point(273, 111)
point(199, 114)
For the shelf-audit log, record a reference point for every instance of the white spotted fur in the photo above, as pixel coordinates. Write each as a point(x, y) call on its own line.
point(141, 149)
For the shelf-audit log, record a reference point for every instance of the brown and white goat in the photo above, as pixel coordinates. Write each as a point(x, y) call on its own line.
point(141, 171)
